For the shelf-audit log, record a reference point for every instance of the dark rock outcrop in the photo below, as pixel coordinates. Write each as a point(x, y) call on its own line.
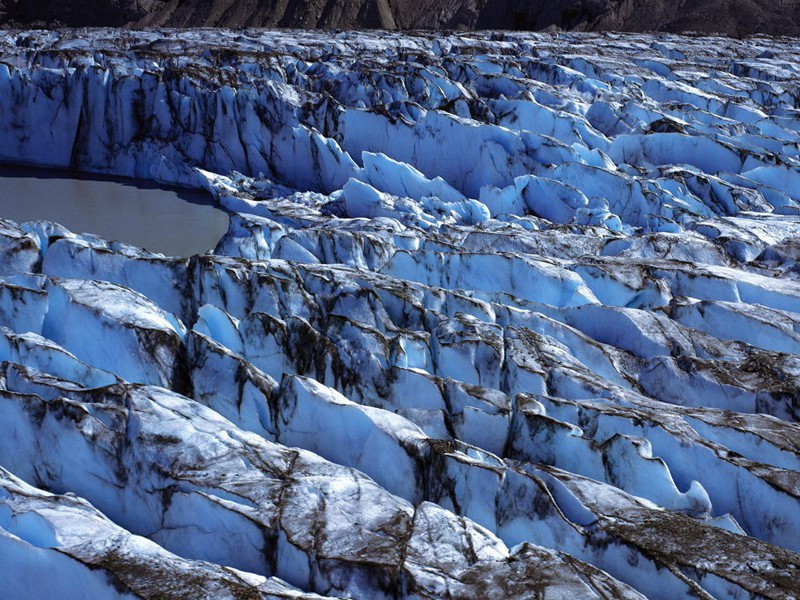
point(737, 17)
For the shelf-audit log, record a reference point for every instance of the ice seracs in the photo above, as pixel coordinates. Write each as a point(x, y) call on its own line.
point(496, 316)
point(63, 534)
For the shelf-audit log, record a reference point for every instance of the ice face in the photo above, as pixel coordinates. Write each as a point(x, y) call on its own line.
point(494, 316)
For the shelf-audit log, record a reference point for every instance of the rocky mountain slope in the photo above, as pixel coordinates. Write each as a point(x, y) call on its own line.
point(736, 17)
point(496, 316)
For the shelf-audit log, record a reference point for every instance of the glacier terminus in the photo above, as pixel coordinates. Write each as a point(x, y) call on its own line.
point(496, 315)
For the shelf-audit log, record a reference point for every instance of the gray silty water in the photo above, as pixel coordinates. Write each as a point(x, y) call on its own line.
point(173, 222)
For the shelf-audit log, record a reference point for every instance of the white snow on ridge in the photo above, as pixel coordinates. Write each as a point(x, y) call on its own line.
point(497, 315)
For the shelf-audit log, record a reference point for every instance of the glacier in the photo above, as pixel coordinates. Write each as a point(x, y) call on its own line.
point(497, 315)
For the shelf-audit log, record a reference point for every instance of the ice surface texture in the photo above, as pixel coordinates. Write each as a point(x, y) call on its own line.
point(496, 316)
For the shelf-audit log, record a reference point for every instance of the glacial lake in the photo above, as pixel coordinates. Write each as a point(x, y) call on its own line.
point(174, 222)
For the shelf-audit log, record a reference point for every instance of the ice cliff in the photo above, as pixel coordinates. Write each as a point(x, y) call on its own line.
point(496, 316)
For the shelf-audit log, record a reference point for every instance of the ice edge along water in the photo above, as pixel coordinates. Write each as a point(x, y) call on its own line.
point(497, 315)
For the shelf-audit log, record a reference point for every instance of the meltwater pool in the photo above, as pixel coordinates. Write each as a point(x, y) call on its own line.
point(171, 221)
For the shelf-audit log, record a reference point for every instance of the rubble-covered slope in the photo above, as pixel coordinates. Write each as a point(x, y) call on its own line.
point(731, 17)
point(496, 316)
